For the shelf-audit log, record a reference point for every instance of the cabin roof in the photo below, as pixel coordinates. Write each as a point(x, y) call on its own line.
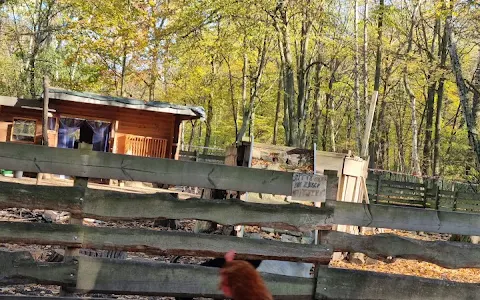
point(190, 112)
point(23, 103)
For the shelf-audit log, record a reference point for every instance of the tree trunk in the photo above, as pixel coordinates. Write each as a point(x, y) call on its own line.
point(255, 86)
point(303, 81)
point(232, 98)
point(282, 28)
point(192, 135)
point(440, 91)
point(244, 76)
point(463, 93)
point(378, 69)
point(45, 112)
point(413, 101)
point(329, 109)
point(124, 67)
point(316, 109)
point(277, 108)
point(427, 146)
point(413, 105)
point(31, 72)
point(401, 149)
point(332, 126)
point(365, 57)
point(356, 97)
point(286, 113)
point(208, 123)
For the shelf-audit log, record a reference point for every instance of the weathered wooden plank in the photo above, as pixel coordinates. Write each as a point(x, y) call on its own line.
point(11, 297)
point(33, 158)
point(406, 218)
point(110, 205)
point(348, 284)
point(158, 242)
point(19, 267)
point(464, 206)
point(188, 153)
point(41, 197)
point(388, 191)
point(446, 254)
point(102, 204)
point(176, 280)
point(212, 157)
point(403, 184)
point(469, 196)
point(399, 200)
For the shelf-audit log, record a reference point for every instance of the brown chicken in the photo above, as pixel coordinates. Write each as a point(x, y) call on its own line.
point(240, 280)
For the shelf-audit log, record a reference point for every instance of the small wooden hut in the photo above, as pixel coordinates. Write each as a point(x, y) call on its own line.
point(110, 124)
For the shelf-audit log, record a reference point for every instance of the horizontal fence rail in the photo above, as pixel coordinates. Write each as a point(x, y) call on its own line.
point(452, 255)
point(159, 242)
point(34, 158)
point(83, 274)
point(435, 193)
point(196, 156)
point(347, 284)
point(11, 297)
point(94, 275)
point(445, 254)
point(109, 205)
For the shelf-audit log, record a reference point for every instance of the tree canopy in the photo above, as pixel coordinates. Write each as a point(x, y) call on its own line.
point(288, 72)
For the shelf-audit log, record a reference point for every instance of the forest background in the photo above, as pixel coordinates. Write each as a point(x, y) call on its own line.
point(287, 71)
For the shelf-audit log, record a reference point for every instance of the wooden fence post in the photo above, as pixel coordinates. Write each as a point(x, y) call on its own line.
point(377, 190)
point(81, 183)
point(437, 195)
point(44, 120)
point(425, 192)
point(455, 196)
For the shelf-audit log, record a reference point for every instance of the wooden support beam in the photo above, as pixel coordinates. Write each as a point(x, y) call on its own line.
point(17, 297)
point(110, 205)
point(20, 267)
point(32, 158)
point(405, 218)
point(44, 120)
point(82, 184)
point(110, 276)
point(93, 275)
point(158, 242)
point(445, 254)
point(348, 284)
point(173, 280)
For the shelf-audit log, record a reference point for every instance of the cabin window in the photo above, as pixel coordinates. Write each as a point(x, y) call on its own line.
point(23, 130)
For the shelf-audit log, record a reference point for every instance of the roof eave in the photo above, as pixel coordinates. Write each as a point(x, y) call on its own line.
point(72, 98)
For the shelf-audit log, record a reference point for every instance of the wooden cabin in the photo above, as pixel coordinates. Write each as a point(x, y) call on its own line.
point(110, 124)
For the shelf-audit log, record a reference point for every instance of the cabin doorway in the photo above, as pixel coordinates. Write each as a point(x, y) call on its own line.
point(73, 131)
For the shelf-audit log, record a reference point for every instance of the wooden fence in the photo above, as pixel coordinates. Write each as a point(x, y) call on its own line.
point(84, 274)
point(401, 189)
point(197, 156)
point(146, 146)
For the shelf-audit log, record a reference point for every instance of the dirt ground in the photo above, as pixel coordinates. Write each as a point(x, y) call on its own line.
point(399, 266)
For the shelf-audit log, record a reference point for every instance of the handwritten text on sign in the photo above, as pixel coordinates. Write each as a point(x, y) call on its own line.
point(309, 187)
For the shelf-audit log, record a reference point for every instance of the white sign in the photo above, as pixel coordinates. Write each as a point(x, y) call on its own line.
point(309, 187)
